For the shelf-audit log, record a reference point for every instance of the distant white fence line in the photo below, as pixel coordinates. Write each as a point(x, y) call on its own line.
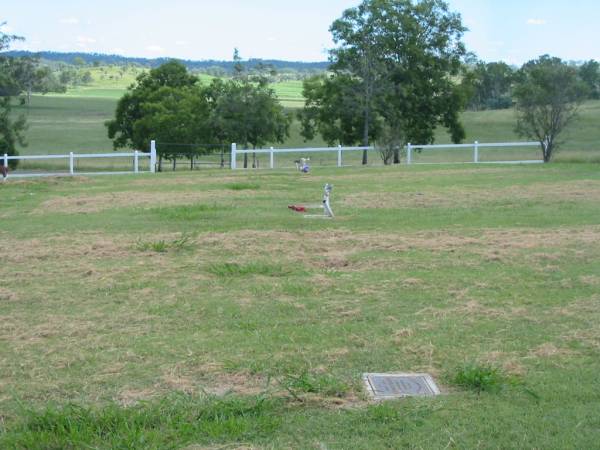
point(273, 151)
point(476, 146)
point(410, 150)
point(339, 150)
point(71, 157)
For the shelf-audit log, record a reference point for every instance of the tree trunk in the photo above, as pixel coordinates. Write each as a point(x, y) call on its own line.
point(160, 163)
point(547, 147)
point(174, 163)
point(192, 162)
point(366, 136)
point(245, 160)
point(222, 158)
point(397, 155)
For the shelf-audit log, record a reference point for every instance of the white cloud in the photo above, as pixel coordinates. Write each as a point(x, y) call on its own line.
point(6, 29)
point(84, 41)
point(69, 21)
point(182, 43)
point(155, 49)
point(536, 22)
point(117, 51)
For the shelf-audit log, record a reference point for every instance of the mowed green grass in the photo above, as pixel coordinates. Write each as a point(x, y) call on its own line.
point(195, 310)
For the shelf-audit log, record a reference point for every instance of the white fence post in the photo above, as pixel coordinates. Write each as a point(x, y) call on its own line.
point(71, 164)
point(5, 160)
point(152, 156)
point(135, 162)
point(476, 152)
point(339, 156)
point(233, 156)
point(409, 153)
point(271, 160)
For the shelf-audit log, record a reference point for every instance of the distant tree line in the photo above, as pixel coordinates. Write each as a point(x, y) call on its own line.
point(491, 85)
point(285, 69)
point(171, 106)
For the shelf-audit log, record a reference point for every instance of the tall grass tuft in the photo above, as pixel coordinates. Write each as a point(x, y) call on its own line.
point(243, 186)
point(252, 268)
point(172, 422)
point(306, 382)
point(480, 378)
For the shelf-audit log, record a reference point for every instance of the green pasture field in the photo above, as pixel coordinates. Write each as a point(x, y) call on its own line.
point(60, 124)
point(195, 310)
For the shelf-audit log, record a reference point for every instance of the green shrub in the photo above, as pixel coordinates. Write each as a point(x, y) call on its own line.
point(480, 378)
point(306, 382)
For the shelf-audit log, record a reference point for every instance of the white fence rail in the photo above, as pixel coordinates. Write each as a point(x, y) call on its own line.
point(410, 152)
point(273, 151)
point(72, 157)
point(476, 146)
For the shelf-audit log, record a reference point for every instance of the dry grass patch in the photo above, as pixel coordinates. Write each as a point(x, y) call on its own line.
point(400, 336)
point(183, 179)
point(509, 362)
point(86, 248)
point(7, 295)
point(135, 199)
point(588, 280)
point(131, 396)
point(548, 350)
point(588, 190)
point(340, 250)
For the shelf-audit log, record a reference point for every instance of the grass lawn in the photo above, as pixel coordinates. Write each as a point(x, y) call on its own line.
point(195, 310)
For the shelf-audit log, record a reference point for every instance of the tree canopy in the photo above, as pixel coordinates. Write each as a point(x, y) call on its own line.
point(590, 74)
point(403, 58)
point(11, 129)
point(548, 93)
point(141, 100)
point(491, 85)
point(171, 106)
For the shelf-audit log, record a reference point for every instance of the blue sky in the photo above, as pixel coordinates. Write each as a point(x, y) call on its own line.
point(509, 30)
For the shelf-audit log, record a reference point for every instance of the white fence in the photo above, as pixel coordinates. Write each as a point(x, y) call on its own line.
point(273, 151)
point(411, 151)
point(71, 158)
point(476, 146)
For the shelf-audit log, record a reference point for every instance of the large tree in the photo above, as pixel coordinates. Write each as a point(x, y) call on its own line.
point(132, 108)
point(177, 118)
point(334, 108)
point(247, 113)
point(548, 94)
point(11, 130)
point(405, 56)
point(358, 54)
